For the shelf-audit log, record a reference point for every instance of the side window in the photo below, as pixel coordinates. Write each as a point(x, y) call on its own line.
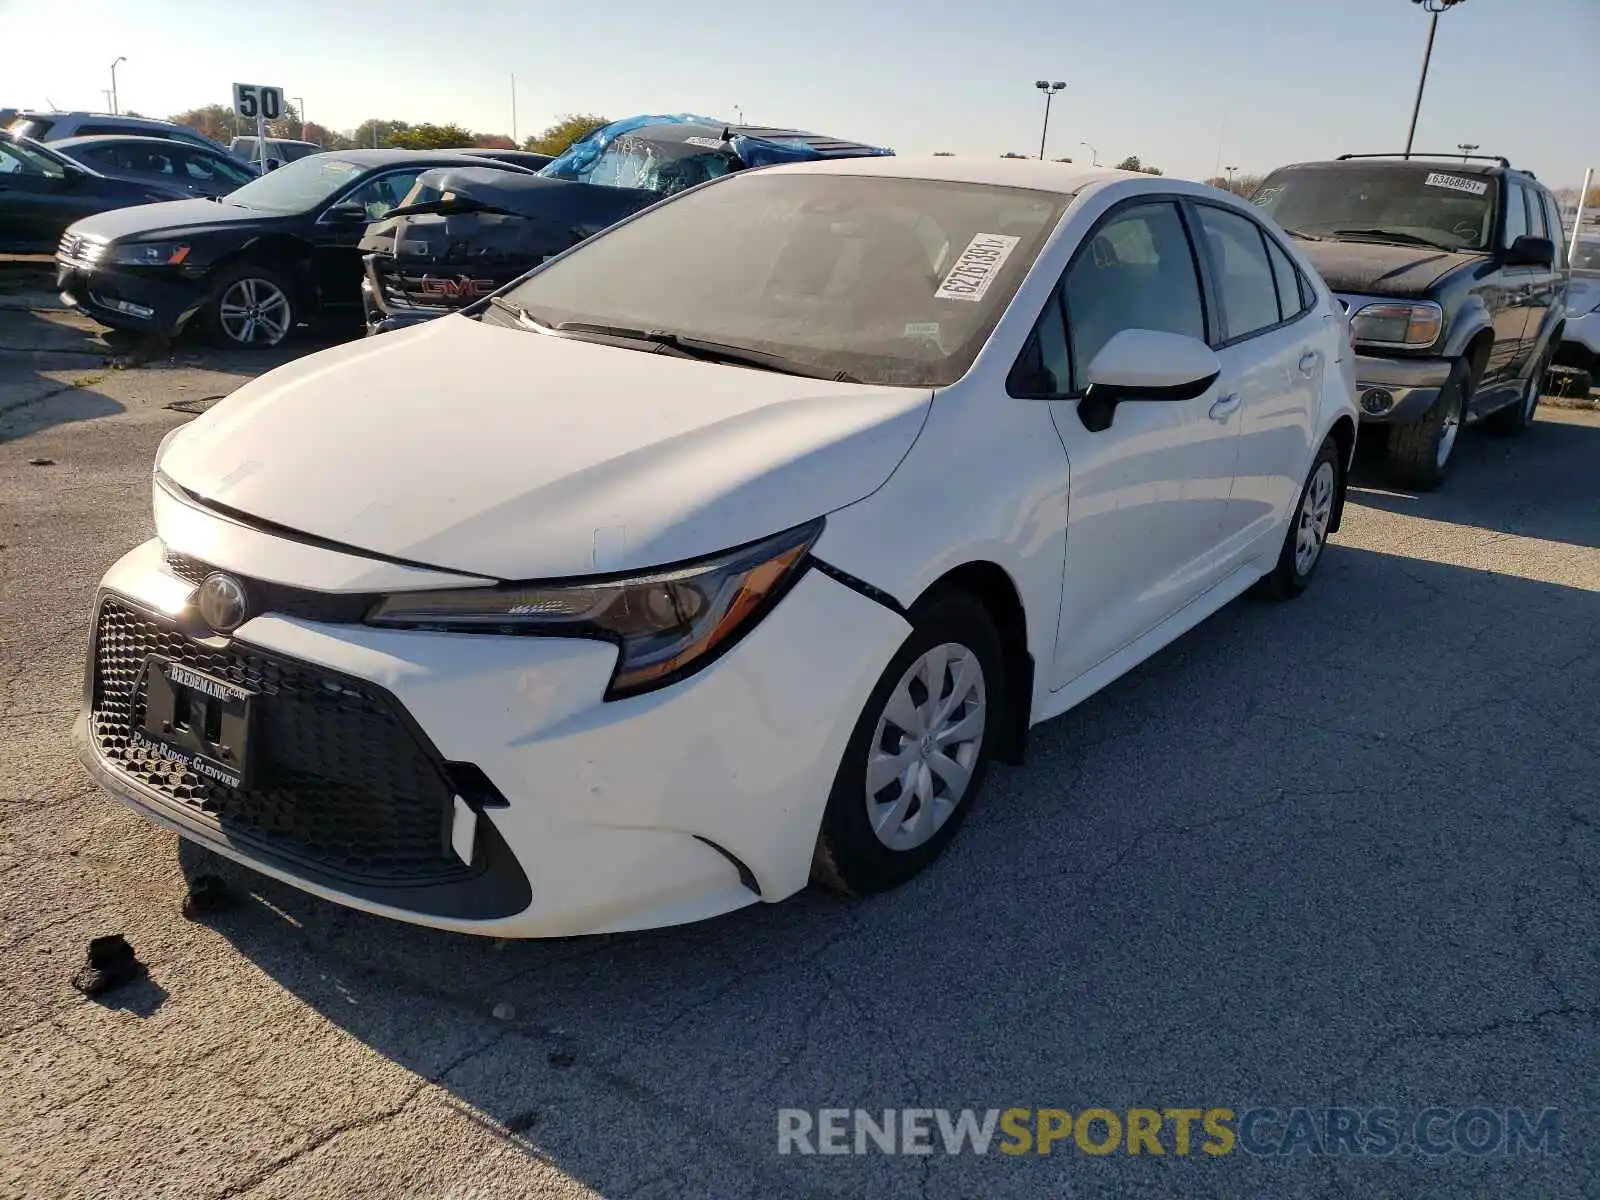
point(108, 155)
point(1552, 213)
point(379, 195)
point(1042, 368)
point(1137, 271)
point(1536, 219)
point(1291, 299)
point(1244, 273)
point(1516, 213)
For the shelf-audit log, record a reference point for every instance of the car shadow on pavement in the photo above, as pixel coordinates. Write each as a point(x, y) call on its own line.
point(1340, 851)
point(1545, 483)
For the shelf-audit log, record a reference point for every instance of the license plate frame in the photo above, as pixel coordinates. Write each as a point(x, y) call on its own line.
point(197, 720)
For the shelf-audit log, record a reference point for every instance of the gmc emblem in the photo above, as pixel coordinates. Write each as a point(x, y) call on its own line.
point(465, 287)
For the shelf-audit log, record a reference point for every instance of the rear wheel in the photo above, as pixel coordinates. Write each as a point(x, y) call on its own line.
point(1420, 455)
point(919, 753)
point(1513, 420)
point(1308, 532)
point(249, 308)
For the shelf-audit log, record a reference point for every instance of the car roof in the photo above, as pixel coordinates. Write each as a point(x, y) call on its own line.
point(119, 139)
point(1064, 178)
point(383, 158)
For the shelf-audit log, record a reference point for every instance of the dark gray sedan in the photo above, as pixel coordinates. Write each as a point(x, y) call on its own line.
point(175, 166)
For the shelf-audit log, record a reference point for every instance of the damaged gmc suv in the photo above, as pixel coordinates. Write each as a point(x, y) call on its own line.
point(1454, 278)
point(464, 233)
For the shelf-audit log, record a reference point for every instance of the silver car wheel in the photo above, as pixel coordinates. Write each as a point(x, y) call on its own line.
point(1316, 511)
point(926, 745)
point(1449, 430)
point(254, 312)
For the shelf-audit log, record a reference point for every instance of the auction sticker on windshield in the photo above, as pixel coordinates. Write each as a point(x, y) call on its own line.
point(976, 267)
point(1455, 183)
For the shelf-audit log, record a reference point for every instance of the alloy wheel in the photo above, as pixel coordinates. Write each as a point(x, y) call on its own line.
point(1316, 511)
point(926, 745)
point(1449, 429)
point(254, 312)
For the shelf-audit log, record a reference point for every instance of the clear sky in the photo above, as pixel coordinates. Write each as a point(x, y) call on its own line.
point(1274, 80)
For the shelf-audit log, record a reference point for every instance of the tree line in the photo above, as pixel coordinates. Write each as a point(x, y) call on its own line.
point(219, 123)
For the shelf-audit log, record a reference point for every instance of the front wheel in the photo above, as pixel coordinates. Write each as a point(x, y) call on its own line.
point(1308, 532)
point(1420, 455)
point(919, 753)
point(249, 308)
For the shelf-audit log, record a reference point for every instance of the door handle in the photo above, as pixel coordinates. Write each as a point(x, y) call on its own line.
point(1224, 408)
point(1308, 362)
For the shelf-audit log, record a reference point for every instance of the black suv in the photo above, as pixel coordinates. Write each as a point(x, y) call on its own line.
point(1454, 276)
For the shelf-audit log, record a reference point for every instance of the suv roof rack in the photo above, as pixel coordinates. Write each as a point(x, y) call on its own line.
point(1494, 158)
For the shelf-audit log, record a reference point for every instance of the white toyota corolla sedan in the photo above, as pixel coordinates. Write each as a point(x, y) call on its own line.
point(724, 551)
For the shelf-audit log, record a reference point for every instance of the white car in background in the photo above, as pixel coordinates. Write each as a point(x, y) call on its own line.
point(1580, 337)
point(724, 551)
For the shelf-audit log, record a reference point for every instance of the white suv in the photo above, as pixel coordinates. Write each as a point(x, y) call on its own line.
point(1580, 339)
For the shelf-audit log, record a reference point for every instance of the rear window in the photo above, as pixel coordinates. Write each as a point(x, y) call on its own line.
point(1427, 204)
point(31, 127)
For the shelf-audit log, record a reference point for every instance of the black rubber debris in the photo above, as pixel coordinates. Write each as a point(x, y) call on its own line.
point(207, 894)
point(523, 1121)
point(41, 462)
point(111, 963)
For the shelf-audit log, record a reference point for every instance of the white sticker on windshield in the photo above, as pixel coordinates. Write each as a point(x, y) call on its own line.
point(1455, 183)
point(714, 143)
point(976, 267)
point(928, 329)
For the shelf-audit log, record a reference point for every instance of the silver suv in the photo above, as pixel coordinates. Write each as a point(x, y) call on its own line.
point(54, 126)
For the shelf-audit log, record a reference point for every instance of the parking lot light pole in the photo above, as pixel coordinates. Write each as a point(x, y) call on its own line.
point(1230, 171)
point(300, 108)
point(1466, 149)
point(121, 58)
point(1434, 7)
point(1049, 89)
point(1094, 155)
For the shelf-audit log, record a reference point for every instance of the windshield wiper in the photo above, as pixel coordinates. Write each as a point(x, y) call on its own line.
point(708, 351)
point(524, 318)
point(1392, 235)
point(1302, 235)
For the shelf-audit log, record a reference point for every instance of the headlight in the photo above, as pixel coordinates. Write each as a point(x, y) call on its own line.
point(1398, 324)
point(150, 254)
point(666, 624)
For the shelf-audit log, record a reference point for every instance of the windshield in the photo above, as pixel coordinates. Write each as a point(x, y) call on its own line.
point(634, 161)
point(31, 127)
point(1587, 257)
point(18, 159)
point(891, 281)
point(298, 186)
point(1423, 203)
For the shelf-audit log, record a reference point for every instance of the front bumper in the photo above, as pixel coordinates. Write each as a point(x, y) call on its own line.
point(655, 810)
point(143, 302)
point(1398, 391)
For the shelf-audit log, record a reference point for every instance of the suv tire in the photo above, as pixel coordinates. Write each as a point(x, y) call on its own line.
point(1420, 454)
point(1513, 420)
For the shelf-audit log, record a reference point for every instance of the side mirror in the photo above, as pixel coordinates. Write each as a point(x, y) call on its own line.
point(1531, 251)
point(1145, 364)
point(348, 212)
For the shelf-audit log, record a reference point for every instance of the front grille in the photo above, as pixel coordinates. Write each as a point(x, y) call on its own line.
point(339, 782)
point(76, 250)
point(332, 607)
point(444, 286)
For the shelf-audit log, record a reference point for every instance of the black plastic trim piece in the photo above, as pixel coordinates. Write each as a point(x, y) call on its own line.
point(746, 875)
point(860, 585)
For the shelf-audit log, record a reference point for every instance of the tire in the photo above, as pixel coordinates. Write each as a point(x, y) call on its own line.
point(915, 805)
point(1420, 455)
point(1513, 420)
point(1307, 537)
point(252, 289)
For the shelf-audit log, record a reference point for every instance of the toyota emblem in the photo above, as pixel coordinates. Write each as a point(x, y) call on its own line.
point(223, 603)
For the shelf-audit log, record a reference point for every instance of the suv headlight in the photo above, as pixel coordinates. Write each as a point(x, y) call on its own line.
point(1413, 325)
point(666, 624)
point(150, 254)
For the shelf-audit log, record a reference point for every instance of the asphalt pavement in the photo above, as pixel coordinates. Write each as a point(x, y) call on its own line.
point(1340, 853)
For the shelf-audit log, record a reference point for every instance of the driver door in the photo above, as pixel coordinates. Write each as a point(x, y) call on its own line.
point(337, 236)
point(1147, 494)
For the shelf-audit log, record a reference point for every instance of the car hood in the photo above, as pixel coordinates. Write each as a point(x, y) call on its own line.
point(1376, 269)
point(175, 217)
point(516, 455)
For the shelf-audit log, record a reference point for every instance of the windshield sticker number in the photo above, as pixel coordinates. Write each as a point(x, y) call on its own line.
point(926, 329)
point(976, 267)
point(1455, 183)
point(712, 143)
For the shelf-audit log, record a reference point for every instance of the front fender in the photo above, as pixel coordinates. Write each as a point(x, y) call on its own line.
point(1472, 320)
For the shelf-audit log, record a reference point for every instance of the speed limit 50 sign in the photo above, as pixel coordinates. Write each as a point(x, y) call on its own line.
point(253, 101)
